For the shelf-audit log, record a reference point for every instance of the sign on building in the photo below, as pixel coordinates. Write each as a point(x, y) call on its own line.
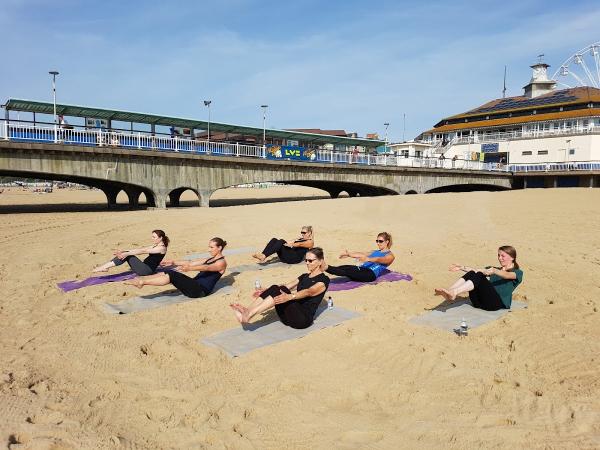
point(290, 152)
point(490, 148)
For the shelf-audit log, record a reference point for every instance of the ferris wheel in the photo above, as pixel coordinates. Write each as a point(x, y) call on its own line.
point(581, 69)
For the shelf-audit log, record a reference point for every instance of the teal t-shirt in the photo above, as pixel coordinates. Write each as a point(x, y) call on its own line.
point(505, 288)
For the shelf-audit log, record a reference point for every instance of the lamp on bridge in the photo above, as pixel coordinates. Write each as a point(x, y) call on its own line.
point(54, 73)
point(386, 136)
point(207, 104)
point(264, 108)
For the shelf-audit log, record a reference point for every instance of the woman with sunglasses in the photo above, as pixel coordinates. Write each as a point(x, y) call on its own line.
point(289, 252)
point(490, 288)
point(156, 252)
point(295, 309)
point(209, 272)
point(373, 264)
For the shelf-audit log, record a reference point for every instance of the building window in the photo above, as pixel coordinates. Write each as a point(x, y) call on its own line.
point(404, 153)
point(418, 153)
point(571, 151)
point(542, 152)
point(526, 153)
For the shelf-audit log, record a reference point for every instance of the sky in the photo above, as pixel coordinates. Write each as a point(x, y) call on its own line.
point(351, 65)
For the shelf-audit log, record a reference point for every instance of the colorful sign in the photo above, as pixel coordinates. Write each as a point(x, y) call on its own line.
point(291, 152)
point(490, 148)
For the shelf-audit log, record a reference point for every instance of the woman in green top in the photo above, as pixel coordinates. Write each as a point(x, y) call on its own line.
point(490, 294)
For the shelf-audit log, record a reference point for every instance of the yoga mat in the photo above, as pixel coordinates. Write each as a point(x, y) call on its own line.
point(270, 330)
point(71, 285)
point(146, 302)
point(344, 284)
point(258, 266)
point(449, 317)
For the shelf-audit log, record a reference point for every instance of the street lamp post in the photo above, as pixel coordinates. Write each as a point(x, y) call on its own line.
point(207, 104)
point(567, 150)
point(264, 108)
point(386, 136)
point(54, 73)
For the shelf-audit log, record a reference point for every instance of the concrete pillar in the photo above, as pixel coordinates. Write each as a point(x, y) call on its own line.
point(133, 195)
point(111, 195)
point(204, 197)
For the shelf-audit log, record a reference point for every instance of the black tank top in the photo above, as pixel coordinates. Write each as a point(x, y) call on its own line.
point(207, 280)
point(153, 260)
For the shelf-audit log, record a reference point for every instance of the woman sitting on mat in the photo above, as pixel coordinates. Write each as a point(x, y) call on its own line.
point(373, 265)
point(492, 294)
point(209, 272)
point(148, 266)
point(289, 252)
point(296, 310)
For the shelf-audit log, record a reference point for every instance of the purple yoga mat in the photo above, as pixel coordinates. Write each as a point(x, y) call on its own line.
point(67, 286)
point(344, 284)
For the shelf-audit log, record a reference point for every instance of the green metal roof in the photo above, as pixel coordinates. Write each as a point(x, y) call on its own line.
point(126, 116)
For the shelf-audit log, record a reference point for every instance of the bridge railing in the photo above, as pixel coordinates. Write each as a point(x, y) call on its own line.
point(24, 132)
point(571, 166)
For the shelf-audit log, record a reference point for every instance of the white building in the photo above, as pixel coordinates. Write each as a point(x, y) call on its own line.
point(543, 126)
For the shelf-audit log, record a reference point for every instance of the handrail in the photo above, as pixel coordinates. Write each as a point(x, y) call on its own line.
point(566, 166)
point(147, 142)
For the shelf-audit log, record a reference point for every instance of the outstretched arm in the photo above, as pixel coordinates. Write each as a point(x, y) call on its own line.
point(357, 255)
point(121, 254)
point(198, 265)
point(387, 259)
point(500, 272)
point(312, 291)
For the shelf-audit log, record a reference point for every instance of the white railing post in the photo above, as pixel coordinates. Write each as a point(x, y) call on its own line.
point(139, 140)
point(6, 130)
point(176, 147)
point(99, 137)
point(237, 149)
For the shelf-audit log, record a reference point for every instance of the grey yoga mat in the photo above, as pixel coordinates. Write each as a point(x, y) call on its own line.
point(171, 297)
point(270, 330)
point(449, 317)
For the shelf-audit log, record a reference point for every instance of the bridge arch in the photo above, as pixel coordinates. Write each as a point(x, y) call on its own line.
point(467, 187)
point(411, 192)
point(335, 188)
point(175, 196)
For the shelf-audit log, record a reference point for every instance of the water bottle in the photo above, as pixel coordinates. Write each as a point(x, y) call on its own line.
point(464, 328)
point(329, 302)
point(257, 285)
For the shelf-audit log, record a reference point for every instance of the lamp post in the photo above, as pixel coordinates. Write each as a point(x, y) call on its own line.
point(54, 73)
point(386, 136)
point(264, 108)
point(207, 104)
point(567, 150)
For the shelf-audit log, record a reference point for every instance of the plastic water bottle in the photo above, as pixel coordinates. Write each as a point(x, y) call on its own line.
point(329, 302)
point(464, 328)
point(257, 285)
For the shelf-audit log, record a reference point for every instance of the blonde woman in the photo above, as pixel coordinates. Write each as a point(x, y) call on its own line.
point(289, 252)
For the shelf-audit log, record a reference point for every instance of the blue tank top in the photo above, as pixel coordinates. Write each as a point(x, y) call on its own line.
point(207, 280)
point(377, 268)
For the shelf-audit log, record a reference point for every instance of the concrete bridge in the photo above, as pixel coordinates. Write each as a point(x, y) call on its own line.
point(166, 175)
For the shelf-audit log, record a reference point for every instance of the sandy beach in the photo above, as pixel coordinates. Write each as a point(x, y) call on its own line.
point(75, 377)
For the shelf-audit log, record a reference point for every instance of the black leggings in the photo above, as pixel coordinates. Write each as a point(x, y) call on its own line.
point(187, 285)
point(356, 273)
point(483, 296)
point(288, 255)
point(137, 265)
point(290, 313)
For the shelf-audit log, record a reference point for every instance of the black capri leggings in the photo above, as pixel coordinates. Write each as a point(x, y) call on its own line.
point(137, 265)
point(483, 296)
point(187, 285)
point(356, 273)
point(290, 313)
point(288, 255)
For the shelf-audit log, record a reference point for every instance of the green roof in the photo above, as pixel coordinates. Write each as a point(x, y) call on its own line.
point(152, 119)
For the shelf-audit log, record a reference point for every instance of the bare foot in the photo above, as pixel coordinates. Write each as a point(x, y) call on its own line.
point(137, 282)
point(236, 311)
point(99, 269)
point(448, 295)
point(259, 256)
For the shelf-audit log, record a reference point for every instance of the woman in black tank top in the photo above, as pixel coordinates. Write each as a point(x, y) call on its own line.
point(296, 310)
point(209, 272)
point(289, 252)
point(148, 266)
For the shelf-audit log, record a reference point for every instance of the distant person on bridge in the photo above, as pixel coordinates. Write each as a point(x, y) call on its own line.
point(289, 252)
point(202, 285)
point(490, 288)
point(373, 264)
point(296, 310)
point(156, 252)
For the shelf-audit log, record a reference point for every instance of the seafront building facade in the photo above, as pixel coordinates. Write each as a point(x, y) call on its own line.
point(544, 127)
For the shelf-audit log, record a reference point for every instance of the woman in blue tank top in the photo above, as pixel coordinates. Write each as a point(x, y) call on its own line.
point(209, 272)
point(373, 265)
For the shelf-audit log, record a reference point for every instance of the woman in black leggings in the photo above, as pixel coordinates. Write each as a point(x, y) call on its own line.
point(148, 266)
point(209, 272)
point(490, 294)
point(289, 252)
point(296, 310)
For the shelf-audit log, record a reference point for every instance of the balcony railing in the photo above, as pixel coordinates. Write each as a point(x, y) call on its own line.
point(571, 166)
point(18, 132)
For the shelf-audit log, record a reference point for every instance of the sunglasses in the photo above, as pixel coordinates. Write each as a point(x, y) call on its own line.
point(304, 232)
point(309, 260)
point(379, 241)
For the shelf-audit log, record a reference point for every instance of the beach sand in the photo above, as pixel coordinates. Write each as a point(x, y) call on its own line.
point(74, 377)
